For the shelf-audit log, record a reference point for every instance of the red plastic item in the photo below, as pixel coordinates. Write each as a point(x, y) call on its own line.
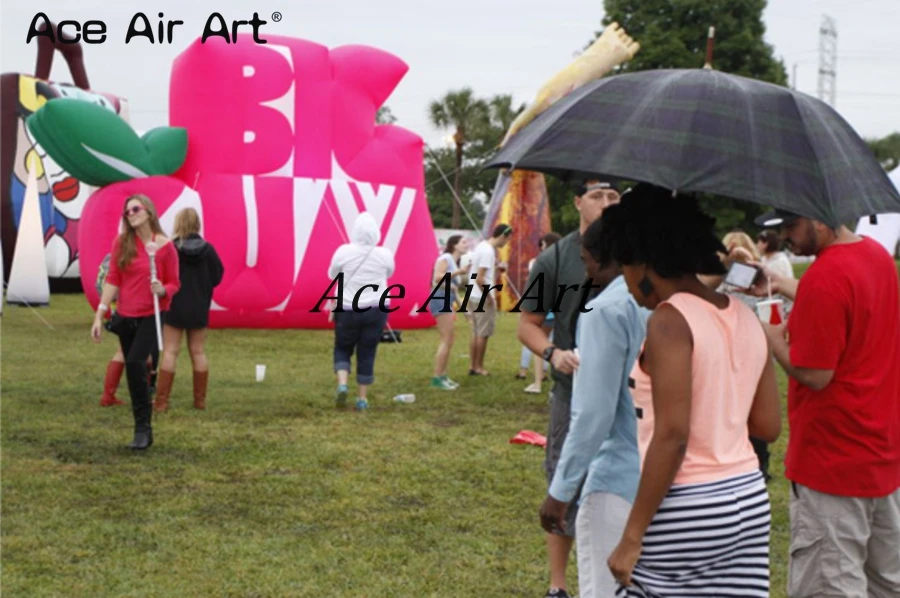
point(529, 437)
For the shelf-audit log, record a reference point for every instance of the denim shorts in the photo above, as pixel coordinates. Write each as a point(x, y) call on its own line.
point(436, 305)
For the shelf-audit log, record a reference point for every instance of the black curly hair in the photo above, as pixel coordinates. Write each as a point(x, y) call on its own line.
point(669, 234)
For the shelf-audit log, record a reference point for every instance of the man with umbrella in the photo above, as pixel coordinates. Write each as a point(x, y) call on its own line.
point(704, 131)
point(561, 267)
point(841, 349)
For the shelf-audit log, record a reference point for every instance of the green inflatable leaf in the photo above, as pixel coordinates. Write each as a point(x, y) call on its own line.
point(98, 148)
point(167, 147)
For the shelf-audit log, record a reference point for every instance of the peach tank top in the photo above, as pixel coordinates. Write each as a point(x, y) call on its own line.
point(730, 353)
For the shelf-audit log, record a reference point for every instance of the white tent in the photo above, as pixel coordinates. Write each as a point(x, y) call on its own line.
point(887, 231)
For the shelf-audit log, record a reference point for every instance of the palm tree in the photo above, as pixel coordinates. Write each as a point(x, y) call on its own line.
point(502, 112)
point(463, 112)
point(384, 116)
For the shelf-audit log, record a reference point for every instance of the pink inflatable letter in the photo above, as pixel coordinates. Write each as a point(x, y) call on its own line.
point(283, 155)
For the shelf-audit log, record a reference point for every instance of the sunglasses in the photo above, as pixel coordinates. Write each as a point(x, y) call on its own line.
point(132, 211)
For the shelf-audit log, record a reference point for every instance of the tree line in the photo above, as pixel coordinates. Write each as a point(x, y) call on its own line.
point(672, 35)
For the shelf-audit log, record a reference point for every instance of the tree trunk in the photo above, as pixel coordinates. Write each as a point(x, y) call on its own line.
point(457, 198)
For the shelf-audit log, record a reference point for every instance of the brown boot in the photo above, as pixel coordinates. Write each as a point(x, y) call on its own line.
point(163, 390)
point(201, 379)
point(113, 375)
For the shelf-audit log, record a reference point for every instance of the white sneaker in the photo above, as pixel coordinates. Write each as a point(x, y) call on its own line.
point(533, 389)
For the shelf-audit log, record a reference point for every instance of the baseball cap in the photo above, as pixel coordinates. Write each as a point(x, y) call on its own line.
point(587, 186)
point(776, 217)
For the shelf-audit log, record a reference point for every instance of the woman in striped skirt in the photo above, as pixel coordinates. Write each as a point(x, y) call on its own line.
point(704, 382)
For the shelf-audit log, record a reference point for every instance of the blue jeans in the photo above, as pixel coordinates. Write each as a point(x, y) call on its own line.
point(360, 332)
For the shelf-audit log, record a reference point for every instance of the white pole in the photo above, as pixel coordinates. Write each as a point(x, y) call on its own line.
point(151, 253)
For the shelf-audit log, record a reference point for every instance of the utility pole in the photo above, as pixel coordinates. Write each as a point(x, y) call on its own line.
point(827, 60)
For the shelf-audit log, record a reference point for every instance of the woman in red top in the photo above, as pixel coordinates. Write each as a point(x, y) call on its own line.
point(129, 276)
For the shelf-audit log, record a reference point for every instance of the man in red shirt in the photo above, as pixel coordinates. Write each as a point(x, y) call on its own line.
point(841, 349)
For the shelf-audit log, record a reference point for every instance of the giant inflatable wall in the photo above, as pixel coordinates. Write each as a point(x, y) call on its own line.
point(283, 155)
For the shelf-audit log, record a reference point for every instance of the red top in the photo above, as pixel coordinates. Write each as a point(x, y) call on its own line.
point(845, 439)
point(135, 297)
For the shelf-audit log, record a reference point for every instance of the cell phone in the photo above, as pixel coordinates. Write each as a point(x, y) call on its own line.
point(742, 276)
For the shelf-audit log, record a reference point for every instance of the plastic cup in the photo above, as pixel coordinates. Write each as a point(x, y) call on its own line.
point(260, 373)
point(771, 311)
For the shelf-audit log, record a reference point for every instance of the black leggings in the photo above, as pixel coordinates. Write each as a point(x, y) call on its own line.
point(138, 340)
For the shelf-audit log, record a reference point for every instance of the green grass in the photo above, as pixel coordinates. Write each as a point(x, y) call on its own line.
point(271, 492)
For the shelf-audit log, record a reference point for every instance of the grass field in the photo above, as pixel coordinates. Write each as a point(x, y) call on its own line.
point(271, 492)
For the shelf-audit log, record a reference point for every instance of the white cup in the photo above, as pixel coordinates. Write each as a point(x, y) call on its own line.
point(260, 373)
point(771, 311)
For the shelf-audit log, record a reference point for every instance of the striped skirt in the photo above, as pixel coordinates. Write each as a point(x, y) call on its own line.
point(708, 539)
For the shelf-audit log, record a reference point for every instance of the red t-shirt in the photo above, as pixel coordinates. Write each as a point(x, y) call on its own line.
point(845, 439)
point(135, 297)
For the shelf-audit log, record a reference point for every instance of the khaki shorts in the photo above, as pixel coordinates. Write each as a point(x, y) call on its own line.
point(843, 546)
point(482, 321)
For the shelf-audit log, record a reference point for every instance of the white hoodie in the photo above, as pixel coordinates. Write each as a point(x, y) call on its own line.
point(363, 263)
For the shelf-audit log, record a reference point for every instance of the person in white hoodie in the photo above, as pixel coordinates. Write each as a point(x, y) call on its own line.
point(358, 322)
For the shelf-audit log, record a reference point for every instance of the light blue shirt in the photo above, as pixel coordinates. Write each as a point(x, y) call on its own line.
point(602, 438)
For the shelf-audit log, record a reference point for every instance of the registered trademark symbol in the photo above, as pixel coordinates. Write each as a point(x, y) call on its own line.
point(276, 16)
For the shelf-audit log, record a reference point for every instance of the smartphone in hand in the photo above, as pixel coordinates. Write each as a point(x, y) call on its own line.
point(742, 276)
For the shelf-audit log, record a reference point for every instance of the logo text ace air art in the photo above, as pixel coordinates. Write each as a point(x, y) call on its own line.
point(94, 31)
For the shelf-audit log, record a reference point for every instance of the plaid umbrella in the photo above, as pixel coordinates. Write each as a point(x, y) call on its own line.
point(701, 130)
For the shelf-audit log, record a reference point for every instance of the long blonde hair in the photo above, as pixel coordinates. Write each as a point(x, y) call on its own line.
point(187, 223)
point(742, 240)
point(127, 238)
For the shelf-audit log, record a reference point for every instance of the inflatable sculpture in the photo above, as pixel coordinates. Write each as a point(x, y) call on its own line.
point(887, 228)
point(520, 198)
point(61, 195)
point(283, 154)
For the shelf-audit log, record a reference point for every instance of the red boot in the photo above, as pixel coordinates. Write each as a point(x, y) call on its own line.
point(113, 374)
point(163, 390)
point(201, 380)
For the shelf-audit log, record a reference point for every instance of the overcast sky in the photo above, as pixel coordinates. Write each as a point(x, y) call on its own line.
point(493, 46)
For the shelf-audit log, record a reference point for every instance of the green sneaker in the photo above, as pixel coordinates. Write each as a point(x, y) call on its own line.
point(450, 382)
point(440, 382)
point(341, 400)
point(362, 404)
